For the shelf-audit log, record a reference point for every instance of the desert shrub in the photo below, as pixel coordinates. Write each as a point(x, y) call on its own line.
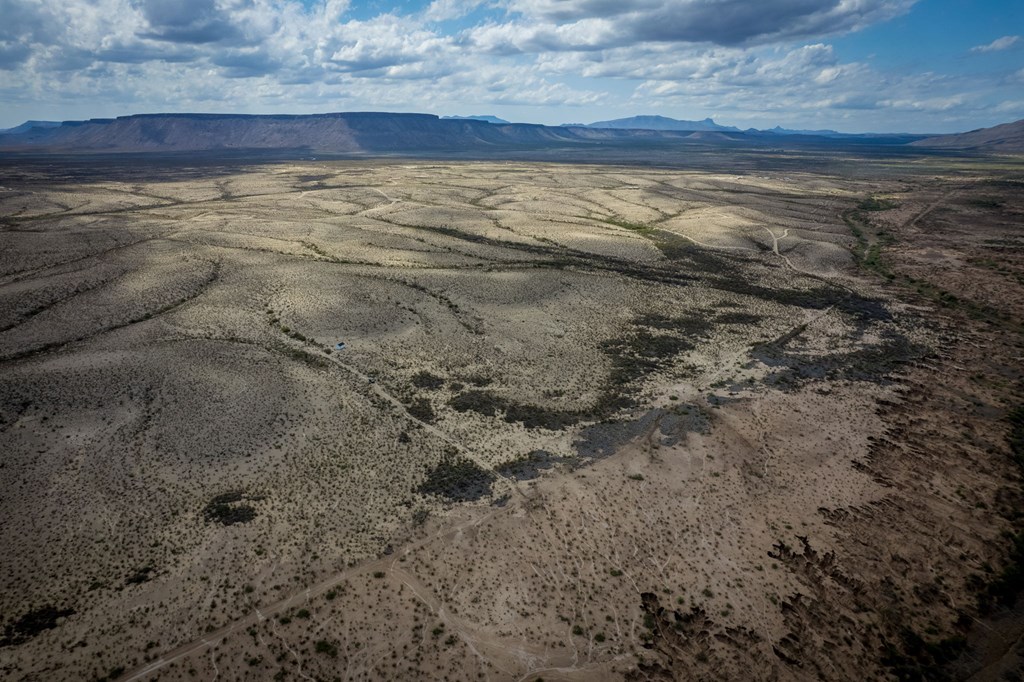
point(875, 204)
point(32, 623)
point(481, 402)
point(458, 479)
point(421, 409)
point(488, 404)
point(325, 647)
point(529, 466)
point(424, 379)
point(140, 576)
point(227, 508)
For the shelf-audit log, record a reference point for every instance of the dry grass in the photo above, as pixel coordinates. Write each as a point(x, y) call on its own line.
point(187, 457)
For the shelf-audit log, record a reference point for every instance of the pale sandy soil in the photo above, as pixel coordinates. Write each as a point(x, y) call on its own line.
point(749, 472)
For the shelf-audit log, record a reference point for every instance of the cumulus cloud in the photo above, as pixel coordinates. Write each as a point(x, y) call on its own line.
point(613, 23)
point(388, 41)
point(13, 54)
point(245, 63)
point(187, 21)
point(1004, 43)
point(695, 68)
point(678, 57)
point(445, 10)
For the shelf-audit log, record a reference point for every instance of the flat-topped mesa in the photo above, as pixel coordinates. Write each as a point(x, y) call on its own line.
point(367, 132)
point(330, 132)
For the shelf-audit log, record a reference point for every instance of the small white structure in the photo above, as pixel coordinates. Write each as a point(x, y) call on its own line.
point(339, 346)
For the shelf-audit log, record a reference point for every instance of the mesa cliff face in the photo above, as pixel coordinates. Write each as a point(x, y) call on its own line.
point(343, 132)
point(382, 132)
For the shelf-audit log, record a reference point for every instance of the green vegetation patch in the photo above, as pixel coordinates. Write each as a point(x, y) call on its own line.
point(33, 623)
point(458, 479)
point(873, 203)
point(869, 363)
point(530, 465)
point(814, 298)
point(230, 508)
point(649, 343)
point(489, 404)
point(481, 402)
point(422, 409)
point(324, 646)
point(424, 379)
point(142, 575)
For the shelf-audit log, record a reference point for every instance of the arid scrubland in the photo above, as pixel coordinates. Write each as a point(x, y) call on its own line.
point(589, 422)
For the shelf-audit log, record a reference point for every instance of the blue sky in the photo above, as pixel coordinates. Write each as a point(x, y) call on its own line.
point(850, 65)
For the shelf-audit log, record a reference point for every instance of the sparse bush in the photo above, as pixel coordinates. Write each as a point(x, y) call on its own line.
point(424, 379)
point(458, 479)
point(227, 508)
point(421, 409)
point(325, 647)
point(33, 623)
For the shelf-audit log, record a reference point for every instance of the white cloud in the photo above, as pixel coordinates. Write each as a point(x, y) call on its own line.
point(389, 41)
point(445, 10)
point(1004, 43)
point(685, 58)
point(722, 22)
point(930, 104)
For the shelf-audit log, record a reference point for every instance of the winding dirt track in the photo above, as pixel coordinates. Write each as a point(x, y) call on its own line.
point(468, 632)
point(296, 599)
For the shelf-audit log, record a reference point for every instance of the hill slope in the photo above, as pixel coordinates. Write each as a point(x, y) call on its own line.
point(386, 133)
point(1005, 138)
point(29, 125)
point(343, 132)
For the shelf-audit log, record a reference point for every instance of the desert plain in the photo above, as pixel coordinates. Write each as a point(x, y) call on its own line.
point(589, 421)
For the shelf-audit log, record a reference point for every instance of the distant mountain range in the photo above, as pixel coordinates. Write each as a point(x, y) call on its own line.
point(778, 130)
point(488, 118)
point(708, 124)
point(1005, 138)
point(660, 123)
point(383, 133)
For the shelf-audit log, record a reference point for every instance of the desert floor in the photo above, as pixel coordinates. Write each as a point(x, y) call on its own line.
point(589, 422)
